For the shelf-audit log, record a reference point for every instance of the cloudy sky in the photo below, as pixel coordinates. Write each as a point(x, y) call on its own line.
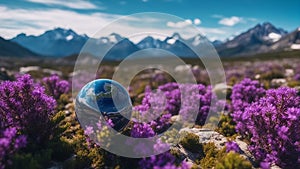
point(216, 19)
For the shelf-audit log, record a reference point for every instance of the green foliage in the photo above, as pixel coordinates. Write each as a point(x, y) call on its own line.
point(176, 153)
point(191, 142)
point(269, 75)
point(21, 160)
point(67, 145)
point(219, 159)
point(62, 101)
point(40, 156)
point(211, 155)
point(39, 159)
point(226, 126)
point(233, 161)
point(87, 154)
point(293, 83)
point(234, 80)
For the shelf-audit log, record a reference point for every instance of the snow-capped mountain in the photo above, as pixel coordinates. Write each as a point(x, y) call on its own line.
point(288, 42)
point(149, 42)
point(256, 40)
point(57, 42)
point(60, 42)
point(121, 50)
point(174, 44)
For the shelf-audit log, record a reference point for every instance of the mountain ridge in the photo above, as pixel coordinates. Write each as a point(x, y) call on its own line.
point(59, 42)
point(8, 48)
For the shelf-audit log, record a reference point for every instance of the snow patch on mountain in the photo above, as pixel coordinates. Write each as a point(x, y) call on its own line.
point(274, 36)
point(295, 46)
point(113, 39)
point(171, 41)
point(69, 37)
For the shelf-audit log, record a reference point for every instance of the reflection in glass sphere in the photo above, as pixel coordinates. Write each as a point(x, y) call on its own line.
point(104, 98)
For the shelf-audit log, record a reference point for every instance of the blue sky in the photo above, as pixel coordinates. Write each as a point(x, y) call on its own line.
point(217, 19)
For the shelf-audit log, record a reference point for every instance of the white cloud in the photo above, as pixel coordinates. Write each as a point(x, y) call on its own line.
point(230, 21)
point(197, 21)
point(189, 21)
point(183, 24)
point(37, 21)
point(180, 24)
point(75, 4)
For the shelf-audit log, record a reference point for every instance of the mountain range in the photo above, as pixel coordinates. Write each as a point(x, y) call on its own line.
point(262, 38)
point(8, 48)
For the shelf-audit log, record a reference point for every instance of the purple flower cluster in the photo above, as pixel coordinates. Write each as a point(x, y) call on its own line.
point(162, 161)
point(232, 146)
point(243, 95)
point(142, 130)
point(246, 92)
point(183, 99)
point(273, 124)
point(10, 142)
point(55, 86)
point(24, 105)
point(24, 111)
point(297, 77)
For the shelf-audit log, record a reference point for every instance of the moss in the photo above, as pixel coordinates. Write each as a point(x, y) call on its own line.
point(191, 142)
point(62, 101)
point(233, 161)
point(219, 159)
point(87, 154)
point(226, 126)
point(211, 154)
point(177, 154)
point(293, 83)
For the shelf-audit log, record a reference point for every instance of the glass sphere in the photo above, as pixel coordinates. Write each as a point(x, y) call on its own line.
point(103, 98)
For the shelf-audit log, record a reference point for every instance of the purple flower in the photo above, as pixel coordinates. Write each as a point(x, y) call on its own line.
point(272, 125)
point(55, 86)
point(265, 165)
point(246, 92)
point(160, 145)
point(10, 142)
point(142, 130)
point(88, 130)
point(243, 95)
point(232, 146)
point(297, 77)
point(162, 161)
point(189, 100)
point(25, 106)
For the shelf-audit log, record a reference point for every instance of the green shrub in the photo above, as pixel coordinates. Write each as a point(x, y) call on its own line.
point(219, 159)
point(272, 75)
point(293, 83)
point(211, 155)
point(21, 160)
point(233, 161)
point(226, 126)
point(191, 142)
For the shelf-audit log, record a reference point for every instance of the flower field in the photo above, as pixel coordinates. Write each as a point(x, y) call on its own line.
point(260, 122)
